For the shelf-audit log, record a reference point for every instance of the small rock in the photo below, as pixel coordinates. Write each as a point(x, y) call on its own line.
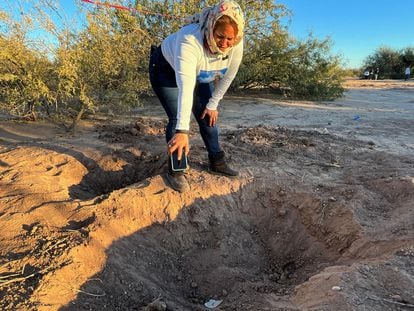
point(194, 285)
point(274, 277)
point(336, 288)
point(282, 212)
point(141, 127)
point(156, 305)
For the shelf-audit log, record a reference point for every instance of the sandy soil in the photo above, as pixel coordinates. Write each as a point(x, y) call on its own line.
point(322, 217)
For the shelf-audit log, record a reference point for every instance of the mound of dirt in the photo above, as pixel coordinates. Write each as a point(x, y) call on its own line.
point(316, 221)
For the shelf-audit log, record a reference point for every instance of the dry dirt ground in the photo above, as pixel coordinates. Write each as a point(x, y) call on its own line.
point(322, 217)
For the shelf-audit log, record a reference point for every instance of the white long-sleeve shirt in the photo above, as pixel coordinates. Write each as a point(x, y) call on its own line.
point(186, 54)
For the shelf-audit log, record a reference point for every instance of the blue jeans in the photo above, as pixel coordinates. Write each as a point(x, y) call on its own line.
point(162, 77)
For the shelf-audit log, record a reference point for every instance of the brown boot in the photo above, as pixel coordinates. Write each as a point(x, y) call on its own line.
point(177, 180)
point(219, 166)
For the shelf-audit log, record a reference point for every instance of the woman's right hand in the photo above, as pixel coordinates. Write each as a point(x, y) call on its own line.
point(179, 143)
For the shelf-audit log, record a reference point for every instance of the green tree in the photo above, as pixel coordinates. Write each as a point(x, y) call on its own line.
point(104, 65)
point(407, 56)
point(26, 75)
point(315, 72)
point(280, 62)
point(391, 62)
point(387, 60)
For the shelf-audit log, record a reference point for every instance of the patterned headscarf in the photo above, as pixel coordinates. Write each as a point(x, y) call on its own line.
point(208, 17)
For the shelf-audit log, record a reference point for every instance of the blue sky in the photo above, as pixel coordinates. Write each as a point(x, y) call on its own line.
point(356, 27)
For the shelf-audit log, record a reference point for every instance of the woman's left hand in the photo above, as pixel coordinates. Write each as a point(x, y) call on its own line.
point(212, 116)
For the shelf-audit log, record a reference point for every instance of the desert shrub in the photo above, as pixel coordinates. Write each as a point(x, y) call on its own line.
point(266, 62)
point(104, 65)
point(26, 75)
point(278, 61)
point(315, 73)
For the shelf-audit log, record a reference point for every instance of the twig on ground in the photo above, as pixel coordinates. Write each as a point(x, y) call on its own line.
point(323, 164)
point(393, 302)
point(5, 277)
point(55, 244)
point(90, 294)
point(87, 293)
point(22, 278)
point(18, 279)
point(399, 303)
point(24, 267)
point(322, 214)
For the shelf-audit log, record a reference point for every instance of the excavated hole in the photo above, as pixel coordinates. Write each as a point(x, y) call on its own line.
point(130, 160)
point(110, 176)
point(258, 241)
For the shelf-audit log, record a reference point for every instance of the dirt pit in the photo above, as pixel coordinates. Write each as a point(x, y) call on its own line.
point(321, 217)
point(247, 245)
